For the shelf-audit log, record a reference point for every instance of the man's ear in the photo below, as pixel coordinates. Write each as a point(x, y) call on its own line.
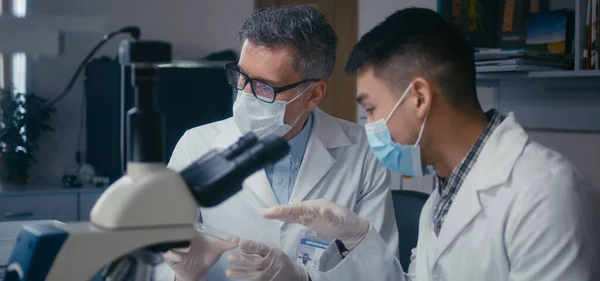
point(316, 94)
point(424, 94)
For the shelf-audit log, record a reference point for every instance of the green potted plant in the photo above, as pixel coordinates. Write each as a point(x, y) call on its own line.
point(18, 141)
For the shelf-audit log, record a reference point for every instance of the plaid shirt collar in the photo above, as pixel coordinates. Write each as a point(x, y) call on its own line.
point(448, 188)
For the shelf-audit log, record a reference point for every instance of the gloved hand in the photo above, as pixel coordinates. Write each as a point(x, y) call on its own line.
point(194, 264)
point(324, 217)
point(261, 262)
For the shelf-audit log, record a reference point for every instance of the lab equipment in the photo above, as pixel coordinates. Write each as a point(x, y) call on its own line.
point(9, 230)
point(188, 95)
point(207, 230)
point(128, 226)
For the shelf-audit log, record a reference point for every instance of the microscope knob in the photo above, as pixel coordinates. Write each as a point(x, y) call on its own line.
point(11, 275)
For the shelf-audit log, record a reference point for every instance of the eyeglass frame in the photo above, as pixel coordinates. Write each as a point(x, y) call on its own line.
point(276, 90)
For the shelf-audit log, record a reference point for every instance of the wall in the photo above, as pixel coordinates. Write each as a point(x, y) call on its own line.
point(195, 28)
point(582, 149)
point(372, 12)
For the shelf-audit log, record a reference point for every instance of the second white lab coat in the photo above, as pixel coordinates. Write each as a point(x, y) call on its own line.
point(522, 213)
point(337, 166)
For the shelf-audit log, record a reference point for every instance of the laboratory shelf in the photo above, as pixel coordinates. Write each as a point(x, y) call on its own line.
point(556, 74)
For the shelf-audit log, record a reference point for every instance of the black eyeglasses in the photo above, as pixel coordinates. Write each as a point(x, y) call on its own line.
point(261, 90)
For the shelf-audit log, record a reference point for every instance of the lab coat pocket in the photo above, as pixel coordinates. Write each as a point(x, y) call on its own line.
point(330, 258)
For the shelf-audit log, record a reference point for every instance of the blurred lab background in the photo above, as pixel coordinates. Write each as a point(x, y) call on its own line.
point(550, 80)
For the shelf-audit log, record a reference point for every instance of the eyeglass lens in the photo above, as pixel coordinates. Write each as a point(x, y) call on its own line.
point(240, 81)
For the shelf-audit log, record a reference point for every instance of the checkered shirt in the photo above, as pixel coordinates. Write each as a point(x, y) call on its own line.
point(448, 188)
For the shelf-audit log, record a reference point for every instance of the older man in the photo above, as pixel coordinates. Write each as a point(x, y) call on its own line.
point(287, 57)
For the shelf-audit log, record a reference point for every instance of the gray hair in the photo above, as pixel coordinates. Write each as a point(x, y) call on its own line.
point(302, 27)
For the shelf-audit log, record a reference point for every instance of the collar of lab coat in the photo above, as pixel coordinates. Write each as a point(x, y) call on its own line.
point(491, 169)
point(326, 134)
point(328, 131)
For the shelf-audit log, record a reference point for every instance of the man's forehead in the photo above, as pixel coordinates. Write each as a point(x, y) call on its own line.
point(264, 62)
point(365, 78)
point(370, 86)
point(280, 54)
point(365, 74)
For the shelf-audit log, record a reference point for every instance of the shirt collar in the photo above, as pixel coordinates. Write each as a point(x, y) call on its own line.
point(298, 143)
point(449, 186)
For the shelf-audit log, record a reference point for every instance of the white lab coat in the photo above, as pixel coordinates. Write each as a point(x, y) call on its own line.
point(337, 166)
point(522, 213)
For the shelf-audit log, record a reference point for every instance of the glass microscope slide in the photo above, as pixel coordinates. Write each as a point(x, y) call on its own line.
point(215, 233)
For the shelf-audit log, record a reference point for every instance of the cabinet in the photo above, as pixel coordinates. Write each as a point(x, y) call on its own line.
point(86, 203)
point(61, 207)
point(47, 203)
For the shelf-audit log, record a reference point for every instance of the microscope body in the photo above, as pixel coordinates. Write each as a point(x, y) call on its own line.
point(126, 219)
point(149, 210)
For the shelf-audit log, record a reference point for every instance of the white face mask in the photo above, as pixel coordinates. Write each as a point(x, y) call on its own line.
point(253, 115)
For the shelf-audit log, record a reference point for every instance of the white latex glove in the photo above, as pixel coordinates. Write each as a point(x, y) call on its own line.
point(261, 262)
point(193, 263)
point(324, 217)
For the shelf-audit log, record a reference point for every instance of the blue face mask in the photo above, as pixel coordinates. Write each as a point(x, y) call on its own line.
point(399, 158)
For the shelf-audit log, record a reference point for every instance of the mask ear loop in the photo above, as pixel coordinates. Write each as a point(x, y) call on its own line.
point(422, 129)
point(303, 110)
point(301, 93)
point(398, 103)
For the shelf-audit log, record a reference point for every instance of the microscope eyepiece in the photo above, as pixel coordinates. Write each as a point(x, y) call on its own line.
point(245, 142)
point(219, 175)
point(144, 52)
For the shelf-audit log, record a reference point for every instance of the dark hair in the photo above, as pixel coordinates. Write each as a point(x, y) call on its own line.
point(419, 42)
point(302, 27)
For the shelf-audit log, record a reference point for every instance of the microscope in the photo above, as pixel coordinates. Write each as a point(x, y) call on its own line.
point(149, 210)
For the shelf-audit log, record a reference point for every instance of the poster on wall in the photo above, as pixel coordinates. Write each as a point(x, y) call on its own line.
point(476, 18)
point(513, 20)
